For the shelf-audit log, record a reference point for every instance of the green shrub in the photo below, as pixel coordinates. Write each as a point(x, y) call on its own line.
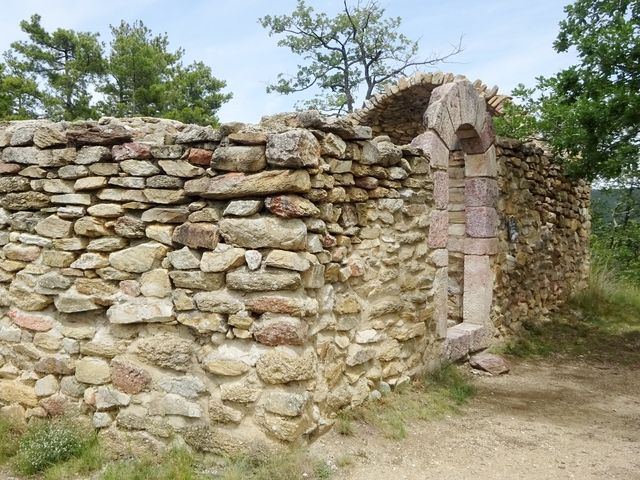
point(49, 443)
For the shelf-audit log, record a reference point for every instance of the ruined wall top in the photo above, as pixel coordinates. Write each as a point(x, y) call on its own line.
point(398, 111)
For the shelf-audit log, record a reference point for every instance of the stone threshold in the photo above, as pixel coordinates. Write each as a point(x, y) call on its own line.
point(465, 338)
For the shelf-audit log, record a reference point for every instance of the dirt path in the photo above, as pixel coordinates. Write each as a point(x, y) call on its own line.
point(545, 420)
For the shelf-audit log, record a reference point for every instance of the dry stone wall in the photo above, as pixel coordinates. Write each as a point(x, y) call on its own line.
point(234, 288)
point(543, 236)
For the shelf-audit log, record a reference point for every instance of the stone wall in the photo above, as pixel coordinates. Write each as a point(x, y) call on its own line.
point(236, 287)
point(544, 235)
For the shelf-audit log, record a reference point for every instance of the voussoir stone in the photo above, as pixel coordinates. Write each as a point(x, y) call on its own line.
point(239, 185)
point(264, 232)
point(296, 148)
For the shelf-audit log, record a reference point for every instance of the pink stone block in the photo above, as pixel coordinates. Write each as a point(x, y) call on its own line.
point(478, 289)
point(441, 189)
point(481, 222)
point(440, 299)
point(482, 164)
point(431, 143)
point(480, 246)
point(438, 229)
point(480, 192)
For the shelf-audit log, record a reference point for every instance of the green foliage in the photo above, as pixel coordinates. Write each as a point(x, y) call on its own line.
point(19, 95)
point(520, 115)
point(57, 74)
point(48, 443)
point(65, 61)
point(146, 79)
point(358, 49)
point(615, 224)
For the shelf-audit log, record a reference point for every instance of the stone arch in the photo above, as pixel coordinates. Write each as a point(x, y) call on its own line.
point(457, 119)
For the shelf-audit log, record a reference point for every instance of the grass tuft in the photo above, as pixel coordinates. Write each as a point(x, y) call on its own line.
point(176, 464)
point(601, 323)
point(285, 465)
point(10, 433)
point(438, 394)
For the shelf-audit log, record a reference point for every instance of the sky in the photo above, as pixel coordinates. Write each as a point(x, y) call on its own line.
point(505, 42)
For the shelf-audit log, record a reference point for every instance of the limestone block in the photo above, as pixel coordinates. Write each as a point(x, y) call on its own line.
point(88, 155)
point(131, 150)
point(139, 168)
point(264, 232)
point(184, 259)
point(73, 302)
point(203, 322)
point(196, 235)
point(235, 158)
point(287, 260)
point(165, 215)
point(287, 404)
point(92, 370)
point(238, 185)
point(197, 280)
point(106, 210)
point(242, 208)
point(296, 148)
point(291, 206)
point(180, 168)
point(220, 301)
point(186, 386)
point(141, 310)
point(155, 283)
point(276, 330)
point(138, 259)
point(262, 280)
point(13, 391)
point(222, 258)
point(32, 321)
point(167, 351)
point(283, 366)
point(107, 398)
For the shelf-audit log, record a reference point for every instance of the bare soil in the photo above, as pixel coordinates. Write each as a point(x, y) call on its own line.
point(551, 419)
